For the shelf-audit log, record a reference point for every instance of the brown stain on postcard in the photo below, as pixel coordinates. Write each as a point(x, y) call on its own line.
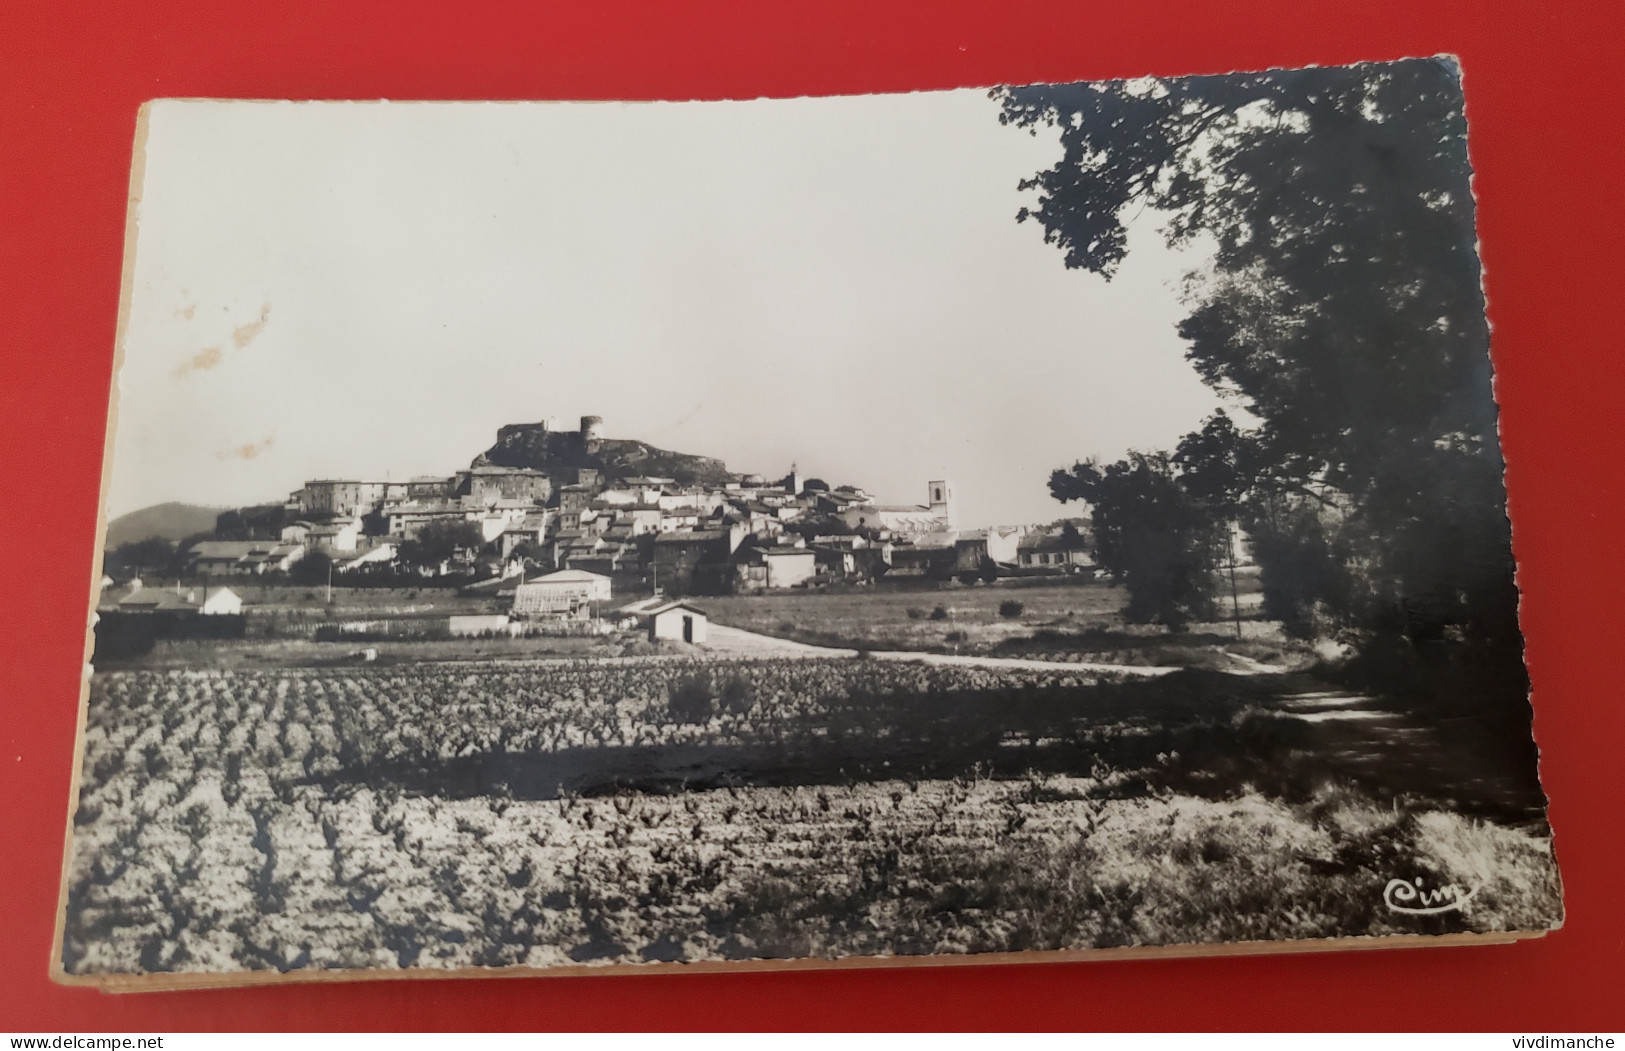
point(207, 358)
point(249, 450)
point(244, 334)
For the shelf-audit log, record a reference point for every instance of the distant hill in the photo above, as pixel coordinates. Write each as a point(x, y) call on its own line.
point(171, 522)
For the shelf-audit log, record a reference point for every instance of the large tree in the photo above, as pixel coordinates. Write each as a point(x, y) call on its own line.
point(1151, 535)
point(438, 541)
point(153, 557)
point(1342, 309)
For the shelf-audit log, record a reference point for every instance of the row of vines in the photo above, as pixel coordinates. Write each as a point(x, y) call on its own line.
point(349, 818)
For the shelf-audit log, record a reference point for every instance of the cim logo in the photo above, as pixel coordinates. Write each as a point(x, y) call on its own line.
point(1413, 896)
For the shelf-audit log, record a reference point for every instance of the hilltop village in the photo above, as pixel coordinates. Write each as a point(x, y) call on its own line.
point(568, 503)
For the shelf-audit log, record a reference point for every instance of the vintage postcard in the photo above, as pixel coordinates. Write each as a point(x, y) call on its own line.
point(956, 526)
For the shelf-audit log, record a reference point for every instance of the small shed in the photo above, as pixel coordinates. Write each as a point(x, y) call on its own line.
point(222, 601)
point(678, 621)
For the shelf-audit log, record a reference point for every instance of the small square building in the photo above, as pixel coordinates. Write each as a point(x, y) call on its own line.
point(679, 622)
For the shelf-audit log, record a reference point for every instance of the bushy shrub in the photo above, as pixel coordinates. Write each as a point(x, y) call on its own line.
point(736, 696)
point(1010, 609)
point(691, 699)
point(940, 613)
point(915, 613)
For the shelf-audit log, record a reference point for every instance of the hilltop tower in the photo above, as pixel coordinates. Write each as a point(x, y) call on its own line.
point(942, 501)
point(592, 432)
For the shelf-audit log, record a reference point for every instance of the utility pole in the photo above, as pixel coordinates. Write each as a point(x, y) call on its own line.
point(329, 582)
point(1235, 601)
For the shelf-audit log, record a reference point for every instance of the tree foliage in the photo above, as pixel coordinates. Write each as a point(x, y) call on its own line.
point(1151, 535)
point(1342, 308)
point(260, 522)
point(153, 557)
point(439, 541)
point(312, 568)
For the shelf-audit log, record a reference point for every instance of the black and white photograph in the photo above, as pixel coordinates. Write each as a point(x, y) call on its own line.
point(988, 524)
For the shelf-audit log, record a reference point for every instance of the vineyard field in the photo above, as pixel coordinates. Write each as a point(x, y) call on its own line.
point(564, 813)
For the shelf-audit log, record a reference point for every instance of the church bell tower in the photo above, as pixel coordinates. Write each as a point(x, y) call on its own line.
point(941, 493)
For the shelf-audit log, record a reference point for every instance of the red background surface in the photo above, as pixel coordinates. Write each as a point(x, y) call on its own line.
point(1545, 102)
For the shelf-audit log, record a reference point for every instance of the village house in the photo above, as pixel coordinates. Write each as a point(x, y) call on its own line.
point(694, 560)
point(575, 498)
point(835, 504)
point(339, 537)
point(927, 557)
point(580, 549)
point(974, 551)
point(678, 519)
point(156, 600)
point(376, 557)
point(835, 563)
point(562, 539)
point(407, 520)
point(345, 497)
point(757, 518)
point(840, 561)
point(258, 560)
point(428, 487)
point(608, 558)
point(281, 558)
point(1047, 551)
point(702, 501)
point(530, 530)
point(209, 601)
point(228, 557)
point(771, 568)
point(642, 519)
point(482, 485)
point(625, 497)
point(497, 516)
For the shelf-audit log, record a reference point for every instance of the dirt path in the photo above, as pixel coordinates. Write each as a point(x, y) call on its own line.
point(736, 642)
point(1248, 666)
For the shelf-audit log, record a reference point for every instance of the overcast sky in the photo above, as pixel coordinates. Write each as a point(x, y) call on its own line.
point(372, 289)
